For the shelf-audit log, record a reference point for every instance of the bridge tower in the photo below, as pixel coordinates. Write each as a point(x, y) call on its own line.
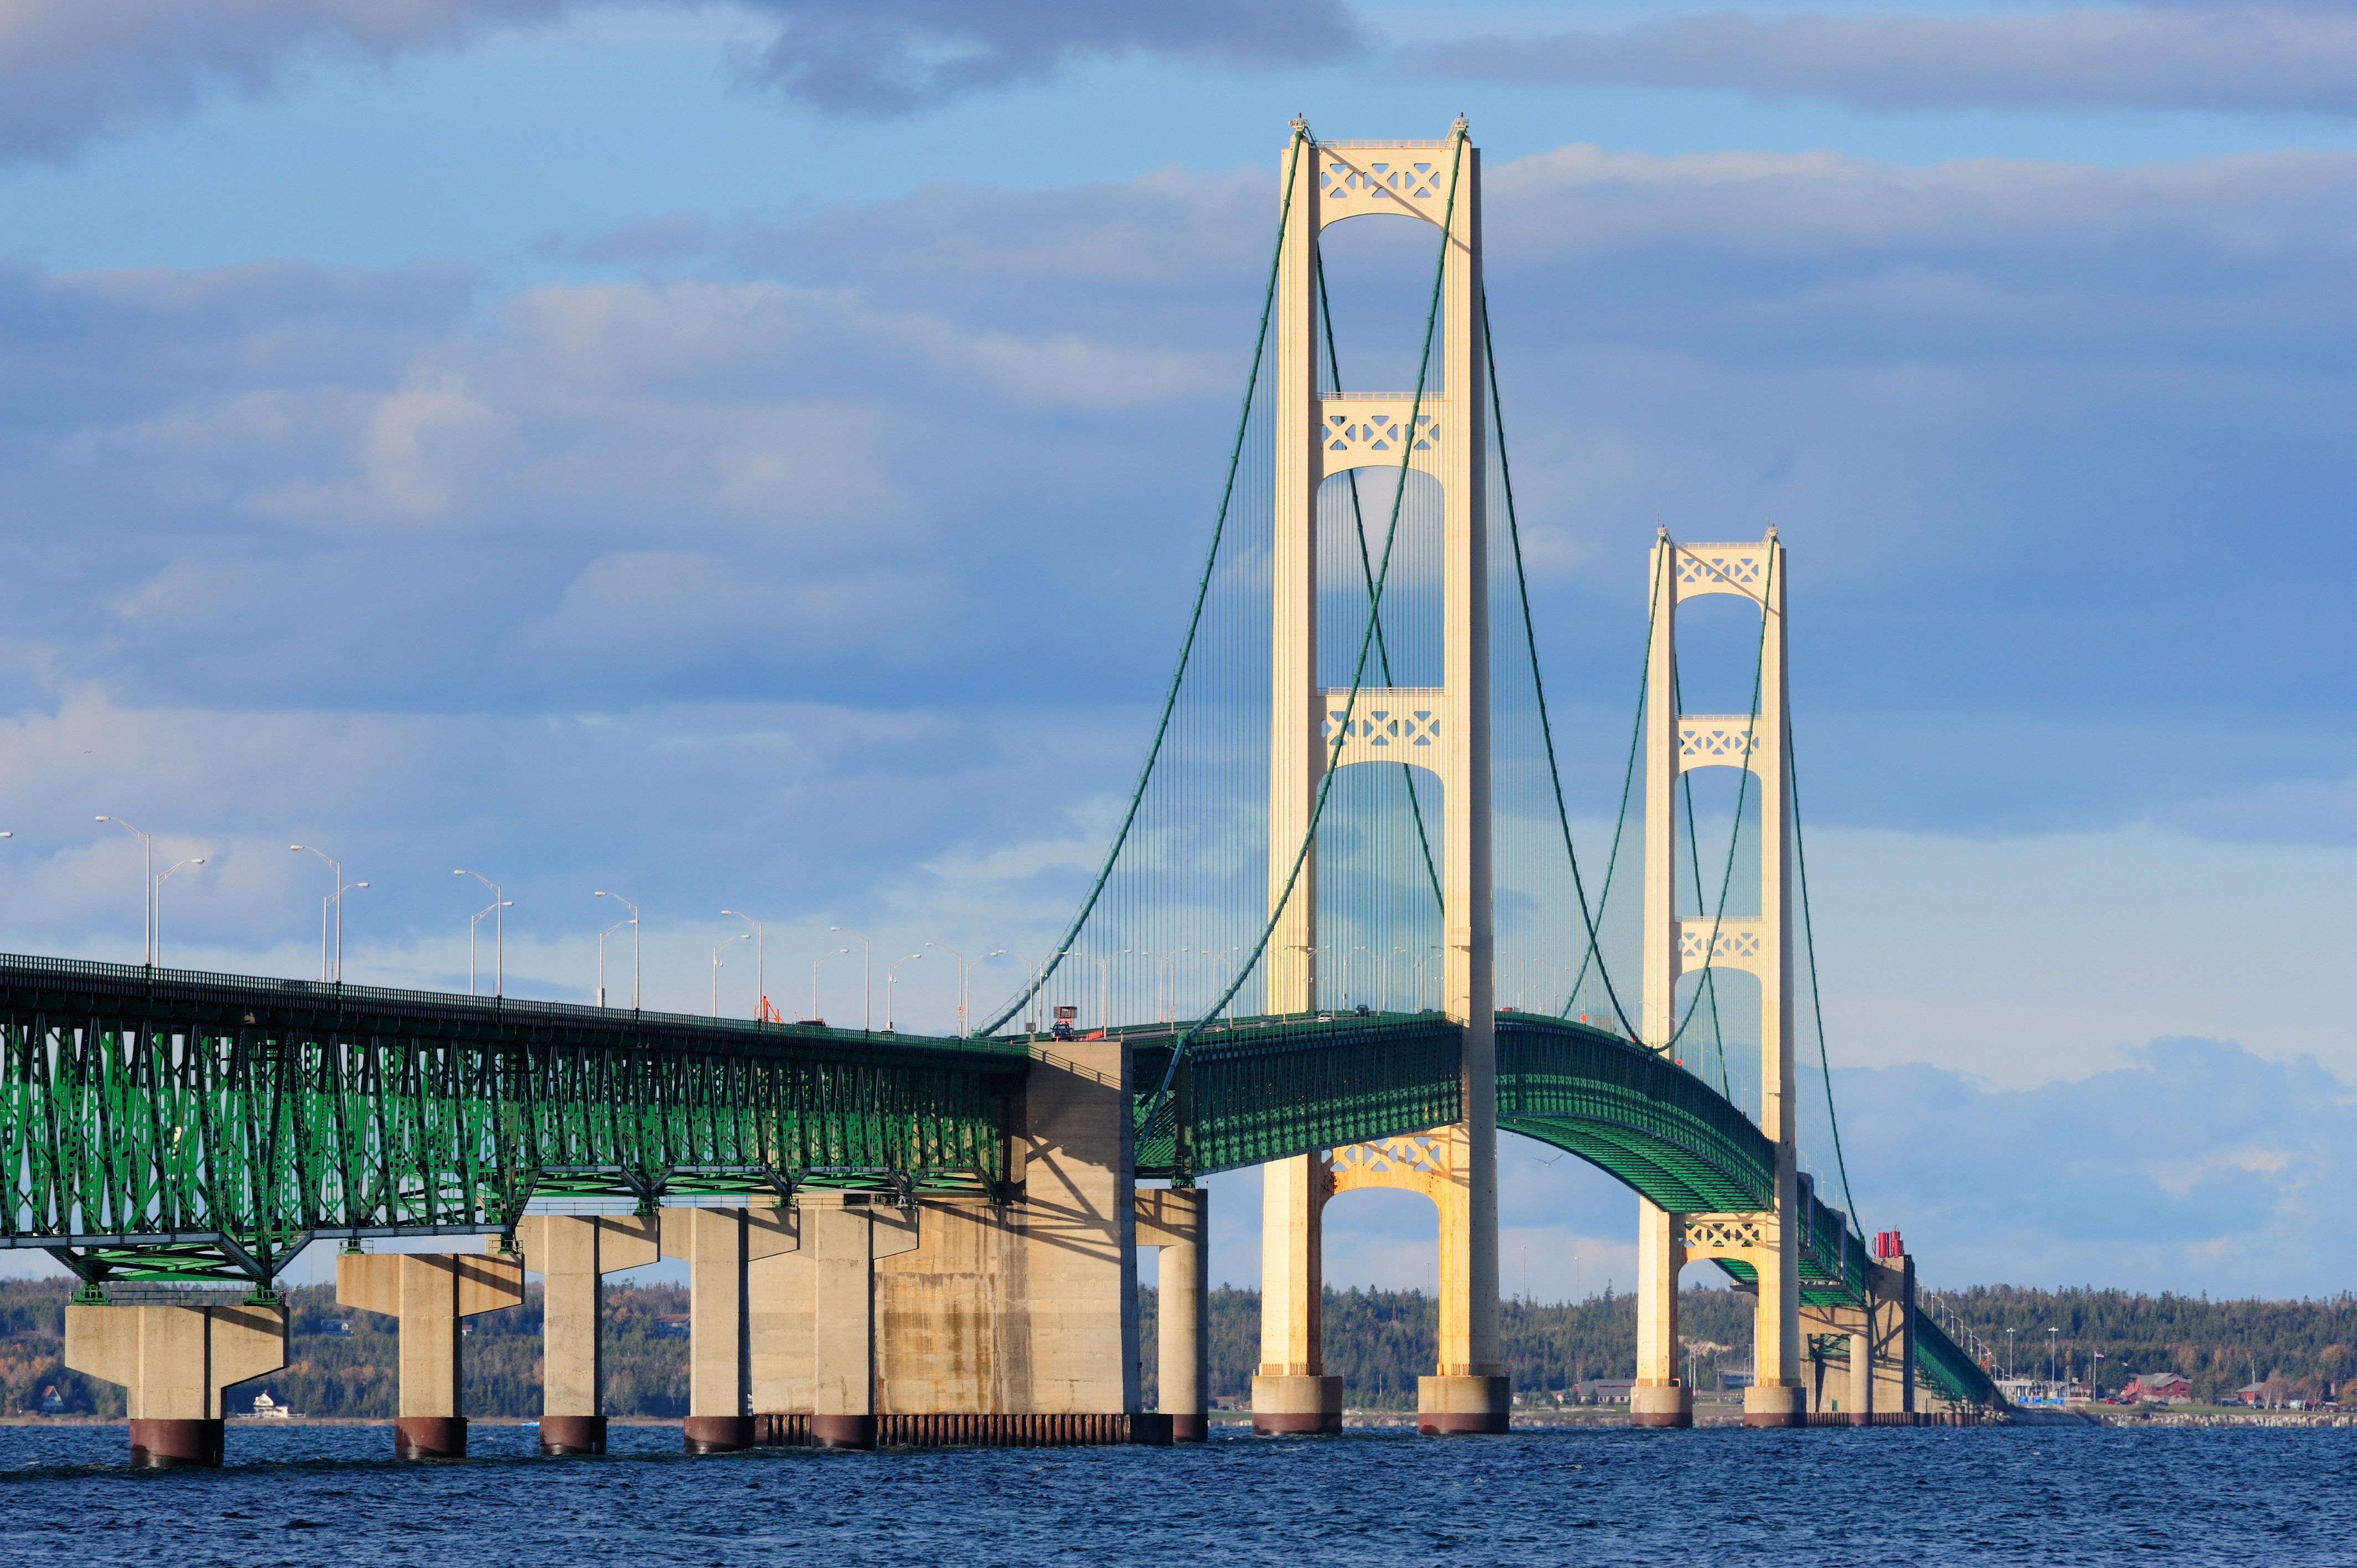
point(1768, 1242)
point(1445, 729)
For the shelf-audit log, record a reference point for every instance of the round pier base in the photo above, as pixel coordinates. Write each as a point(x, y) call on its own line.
point(429, 1438)
point(168, 1444)
point(1291, 1405)
point(1775, 1407)
point(569, 1435)
point(843, 1431)
point(1195, 1428)
point(716, 1433)
point(1668, 1404)
point(1461, 1406)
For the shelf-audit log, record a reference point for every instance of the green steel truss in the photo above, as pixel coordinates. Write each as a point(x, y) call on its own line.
point(1267, 1088)
point(1626, 1110)
point(166, 1124)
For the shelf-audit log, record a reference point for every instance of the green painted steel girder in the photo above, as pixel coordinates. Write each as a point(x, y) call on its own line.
point(168, 1124)
point(1269, 1089)
point(1626, 1110)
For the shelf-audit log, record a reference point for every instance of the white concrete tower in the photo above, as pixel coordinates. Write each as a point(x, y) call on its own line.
point(1760, 945)
point(1445, 729)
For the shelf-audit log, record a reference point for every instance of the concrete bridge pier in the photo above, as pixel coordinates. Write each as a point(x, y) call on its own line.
point(575, 1253)
point(1661, 1397)
point(431, 1293)
point(1179, 1223)
point(1291, 1392)
point(719, 1245)
point(1892, 1296)
point(173, 1363)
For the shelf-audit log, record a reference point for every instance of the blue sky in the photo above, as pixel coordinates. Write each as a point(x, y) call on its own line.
point(741, 454)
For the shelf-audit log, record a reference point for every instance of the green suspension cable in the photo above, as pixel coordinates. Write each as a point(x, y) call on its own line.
point(1366, 568)
point(1620, 822)
point(1195, 620)
point(1530, 642)
point(1816, 998)
point(1147, 1125)
point(1694, 852)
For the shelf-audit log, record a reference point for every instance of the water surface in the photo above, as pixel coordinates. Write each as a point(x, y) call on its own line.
point(330, 1494)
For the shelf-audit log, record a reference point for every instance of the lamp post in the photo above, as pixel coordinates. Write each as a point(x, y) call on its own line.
point(637, 948)
point(601, 958)
point(890, 970)
point(472, 920)
point(336, 870)
point(866, 979)
point(501, 905)
point(962, 967)
point(146, 889)
point(740, 936)
point(1031, 1003)
point(814, 963)
point(199, 859)
point(761, 967)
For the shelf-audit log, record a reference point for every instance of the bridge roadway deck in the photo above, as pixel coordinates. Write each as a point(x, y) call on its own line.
point(167, 1124)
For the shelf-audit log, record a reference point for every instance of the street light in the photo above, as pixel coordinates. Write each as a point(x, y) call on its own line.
point(601, 958)
point(501, 905)
point(336, 869)
point(740, 936)
point(962, 967)
point(814, 963)
point(866, 979)
point(890, 970)
point(199, 859)
point(147, 891)
point(1032, 998)
point(760, 971)
point(1104, 982)
point(636, 948)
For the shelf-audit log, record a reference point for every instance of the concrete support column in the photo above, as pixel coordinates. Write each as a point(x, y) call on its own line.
point(1893, 1292)
point(1661, 1397)
point(1860, 1399)
point(173, 1363)
point(1179, 1223)
point(716, 1244)
point(430, 1293)
point(574, 1253)
point(1291, 1392)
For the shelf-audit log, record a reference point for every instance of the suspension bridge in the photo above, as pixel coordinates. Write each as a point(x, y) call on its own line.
point(1348, 837)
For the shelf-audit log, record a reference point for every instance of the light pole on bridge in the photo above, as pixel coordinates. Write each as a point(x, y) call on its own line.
point(866, 979)
point(336, 870)
point(962, 968)
point(198, 860)
point(637, 949)
point(601, 958)
point(740, 936)
point(814, 963)
point(501, 905)
point(1030, 1008)
point(761, 969)
point(890, 970)
point(146, 889)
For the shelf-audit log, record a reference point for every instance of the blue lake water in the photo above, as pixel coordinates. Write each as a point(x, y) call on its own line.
point(329, 1495)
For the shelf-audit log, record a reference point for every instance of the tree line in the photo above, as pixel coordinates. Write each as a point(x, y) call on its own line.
point(346, 1362)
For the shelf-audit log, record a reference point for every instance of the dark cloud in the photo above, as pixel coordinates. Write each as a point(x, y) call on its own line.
point(72, 73)
point(95, 68)
point(894, 57)
point(2269, 57)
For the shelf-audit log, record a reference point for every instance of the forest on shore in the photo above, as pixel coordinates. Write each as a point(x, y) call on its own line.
point(343, 1362)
